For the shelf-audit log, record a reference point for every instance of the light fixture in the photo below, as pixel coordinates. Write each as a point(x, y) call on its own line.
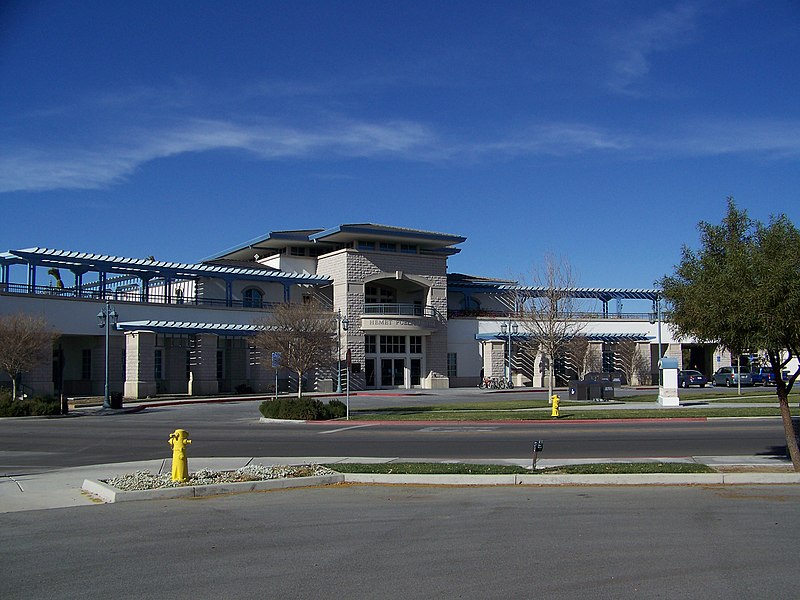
point(106, 319)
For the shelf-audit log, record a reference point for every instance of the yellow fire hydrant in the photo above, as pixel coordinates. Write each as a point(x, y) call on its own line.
point(178, 440)
point(556, 400)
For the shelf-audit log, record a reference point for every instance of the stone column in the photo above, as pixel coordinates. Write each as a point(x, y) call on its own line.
point(140, 379)
point(494, 359)
point(203, 368)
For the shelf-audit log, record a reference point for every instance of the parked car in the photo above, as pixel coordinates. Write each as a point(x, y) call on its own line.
point(689, 377)
point(763, 376)
point(731, 376)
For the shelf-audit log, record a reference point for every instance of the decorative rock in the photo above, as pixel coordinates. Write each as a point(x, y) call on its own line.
point(145, 480)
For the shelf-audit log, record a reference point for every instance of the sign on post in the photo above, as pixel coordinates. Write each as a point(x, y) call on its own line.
point(276, 362)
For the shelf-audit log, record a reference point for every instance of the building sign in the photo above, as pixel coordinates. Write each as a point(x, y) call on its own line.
point(397, 324)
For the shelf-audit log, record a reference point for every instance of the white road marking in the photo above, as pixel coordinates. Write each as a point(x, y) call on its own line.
point(457, 429)
point(345, 428)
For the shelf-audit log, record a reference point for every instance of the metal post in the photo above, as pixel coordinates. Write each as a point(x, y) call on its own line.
point(106, 397)
point(107, 318)
point(739, 373)
point(508, 378)
point(347, 398)
point(339, 352)
point(349, 372)
point(658, 316)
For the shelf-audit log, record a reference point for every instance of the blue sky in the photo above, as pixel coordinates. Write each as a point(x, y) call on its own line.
point(602, 131)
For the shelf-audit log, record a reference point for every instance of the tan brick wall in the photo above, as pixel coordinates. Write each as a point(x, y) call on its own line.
point(350, 269)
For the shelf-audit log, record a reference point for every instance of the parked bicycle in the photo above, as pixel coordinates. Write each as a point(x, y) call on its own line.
point(495, 383)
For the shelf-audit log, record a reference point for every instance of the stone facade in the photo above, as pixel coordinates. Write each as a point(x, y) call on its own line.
point(353, 270)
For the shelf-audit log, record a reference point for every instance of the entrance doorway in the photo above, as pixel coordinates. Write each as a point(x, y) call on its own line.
point(393, 372)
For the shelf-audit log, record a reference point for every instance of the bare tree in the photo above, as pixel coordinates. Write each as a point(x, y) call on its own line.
point(630, 360)
point(304, 334)
point(582, 355)
point(25, 341)
point(549, 311)
point(642, 368)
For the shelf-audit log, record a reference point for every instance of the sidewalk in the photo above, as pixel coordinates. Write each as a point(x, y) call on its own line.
point(62, 488)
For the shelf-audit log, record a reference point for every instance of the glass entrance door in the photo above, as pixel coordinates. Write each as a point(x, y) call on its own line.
point(416, 371)
point(393, 371)
point(369, 372)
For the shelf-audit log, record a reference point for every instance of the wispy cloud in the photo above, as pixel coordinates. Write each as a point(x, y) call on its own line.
point(770, 138)
point(71, 167)
point(92, 164)
point(634, 45)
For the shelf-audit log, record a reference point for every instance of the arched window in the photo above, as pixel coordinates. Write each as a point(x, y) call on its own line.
point(470, 303)
point(252, 298)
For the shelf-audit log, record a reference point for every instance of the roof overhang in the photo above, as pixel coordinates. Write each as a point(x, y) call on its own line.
point(188, 328)
point(81, 262)
point(608, 338)
point(368, 231)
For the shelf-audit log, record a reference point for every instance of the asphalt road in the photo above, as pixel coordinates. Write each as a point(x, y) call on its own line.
point(414, 542)
point(233, 429)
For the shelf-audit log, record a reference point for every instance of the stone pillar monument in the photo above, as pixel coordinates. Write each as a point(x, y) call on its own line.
point(668, 382)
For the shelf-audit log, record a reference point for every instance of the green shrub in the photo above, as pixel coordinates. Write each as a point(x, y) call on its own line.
point(307, 409)
point(37, 406)
point(337, 408)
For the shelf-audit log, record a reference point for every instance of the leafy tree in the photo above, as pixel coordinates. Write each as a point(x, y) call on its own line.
point(25, 341)
point(549, 311)
point(304, 334)
point(741, 290)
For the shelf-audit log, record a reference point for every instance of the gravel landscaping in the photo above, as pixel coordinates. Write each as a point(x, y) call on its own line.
point(145, 480)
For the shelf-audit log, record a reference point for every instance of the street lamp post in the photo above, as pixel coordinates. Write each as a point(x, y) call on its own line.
point(341, 325)
point(106, 319)
point(655, 317)
point(506, 329)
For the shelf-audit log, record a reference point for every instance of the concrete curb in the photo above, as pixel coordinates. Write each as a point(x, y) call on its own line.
point(558, 480)
point(111, 494)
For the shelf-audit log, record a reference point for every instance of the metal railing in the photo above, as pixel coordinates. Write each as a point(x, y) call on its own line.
point(399, 309)
point(588, 316)
point(131, 296)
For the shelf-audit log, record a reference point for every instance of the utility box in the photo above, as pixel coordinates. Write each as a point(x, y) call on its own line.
point(578, 390)
point(325, 385)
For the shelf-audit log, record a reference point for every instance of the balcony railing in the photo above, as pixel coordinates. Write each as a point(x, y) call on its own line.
point(132, 296)
point(587, 316)
point(399, 309)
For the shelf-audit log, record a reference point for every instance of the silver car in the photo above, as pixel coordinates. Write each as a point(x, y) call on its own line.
point(730, 376)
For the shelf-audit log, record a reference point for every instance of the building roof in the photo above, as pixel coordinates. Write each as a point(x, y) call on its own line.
point(457, 282)
point(353, 231)
point(82, 262)
point(429, 241)
point(188, 327)
point(592, 337)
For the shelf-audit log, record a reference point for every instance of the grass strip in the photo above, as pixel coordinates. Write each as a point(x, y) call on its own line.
point(627, 469)
point(567, 414)
point(473, 469)
point(411, 468)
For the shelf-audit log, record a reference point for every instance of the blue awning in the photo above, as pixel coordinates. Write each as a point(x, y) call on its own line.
point(188, 327)
point(608, 338)
point(102, 263)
